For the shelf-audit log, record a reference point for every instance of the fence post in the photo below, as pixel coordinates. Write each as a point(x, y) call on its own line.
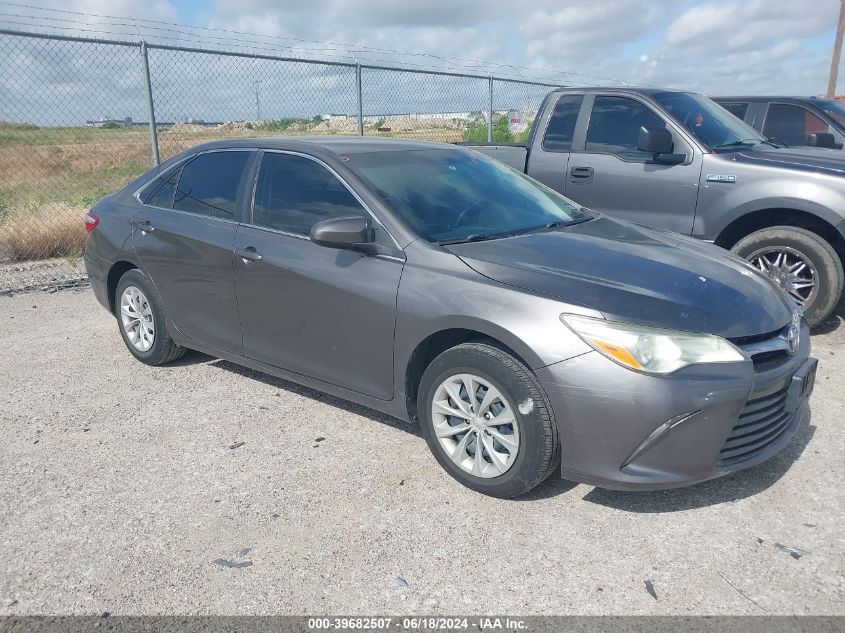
point(490, 112)
point(360, 100)
point(150, 106)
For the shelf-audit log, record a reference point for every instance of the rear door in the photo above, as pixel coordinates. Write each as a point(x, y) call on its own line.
point(550, 160)
point(183, 236)
point(608, 173)
point(317, 311)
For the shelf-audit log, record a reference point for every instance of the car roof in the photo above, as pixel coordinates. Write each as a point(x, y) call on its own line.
point(646, 90)
point(765, 98)
point(334, 144)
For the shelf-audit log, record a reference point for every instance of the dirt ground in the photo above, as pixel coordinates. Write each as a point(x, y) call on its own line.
point(202, 487)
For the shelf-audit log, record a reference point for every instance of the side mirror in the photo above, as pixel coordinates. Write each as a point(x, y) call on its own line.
point(353, 233)
point(658, 141)
point(823, 139)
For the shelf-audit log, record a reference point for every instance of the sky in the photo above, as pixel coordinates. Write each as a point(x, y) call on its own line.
point(718, 47)
point(721, 46)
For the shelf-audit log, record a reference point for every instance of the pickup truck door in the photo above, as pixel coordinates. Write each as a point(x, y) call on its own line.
point(608, 173)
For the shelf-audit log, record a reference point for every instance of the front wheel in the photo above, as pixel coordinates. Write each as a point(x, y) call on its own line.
point(487, 420)
point(801, 263)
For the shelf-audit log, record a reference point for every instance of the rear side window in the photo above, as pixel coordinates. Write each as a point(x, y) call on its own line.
point(293, 193)
point(737, 109)
point(792, 124)
point(209, 184)
point(163, 195)
point(615, 125)
point(561, 126)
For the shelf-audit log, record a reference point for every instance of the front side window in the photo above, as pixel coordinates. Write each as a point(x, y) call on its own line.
point(561, 126)
point(293, 193)
point(210, 183)
point(791, 124)
point(615, 124)
point(449, 195)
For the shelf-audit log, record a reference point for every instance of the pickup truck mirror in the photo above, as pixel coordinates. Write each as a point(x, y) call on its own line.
point(352, 233)
point(823, 139)
point(658, 141)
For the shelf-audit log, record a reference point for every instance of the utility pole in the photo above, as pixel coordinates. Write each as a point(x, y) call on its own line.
point(837, 51)
point(258, 103)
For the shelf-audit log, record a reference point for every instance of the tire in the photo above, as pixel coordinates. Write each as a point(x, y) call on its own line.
point(538, 452)
point(161, 348)
point(815, 250)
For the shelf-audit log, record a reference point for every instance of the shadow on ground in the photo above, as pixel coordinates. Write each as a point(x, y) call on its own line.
point(726, 489)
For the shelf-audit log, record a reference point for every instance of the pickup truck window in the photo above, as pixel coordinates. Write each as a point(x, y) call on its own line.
point(450, 195)
point(293, 193)
point(834, 109)
point(708, 121)
point(737, 109)
point(561, 127)
point(615, 127)
point(791, 124)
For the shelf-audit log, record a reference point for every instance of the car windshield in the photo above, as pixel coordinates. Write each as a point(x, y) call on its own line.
point(834, 109)
point(454, 195)
point(708, 121)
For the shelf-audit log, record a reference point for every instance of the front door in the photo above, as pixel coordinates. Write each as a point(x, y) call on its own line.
point(608, 173)
point(320, 312)
point(183, 236)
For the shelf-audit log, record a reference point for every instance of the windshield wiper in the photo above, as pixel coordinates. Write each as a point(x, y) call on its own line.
point(746, 141)
point(475, 237)
point(554, 225)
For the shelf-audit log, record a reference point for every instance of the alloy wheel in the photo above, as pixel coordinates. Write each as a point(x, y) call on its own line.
point(136, 317)
point(475, 425)
point(790, 269)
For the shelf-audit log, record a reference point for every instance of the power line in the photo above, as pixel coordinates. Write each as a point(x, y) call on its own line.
point(347, 48)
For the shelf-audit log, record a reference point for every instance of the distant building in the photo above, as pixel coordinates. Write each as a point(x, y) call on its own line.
point(110, 122)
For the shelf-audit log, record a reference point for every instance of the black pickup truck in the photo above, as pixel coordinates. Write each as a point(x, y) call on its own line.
point(679, 161)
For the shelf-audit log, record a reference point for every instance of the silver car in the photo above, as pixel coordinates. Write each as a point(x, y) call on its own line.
point(527, 335)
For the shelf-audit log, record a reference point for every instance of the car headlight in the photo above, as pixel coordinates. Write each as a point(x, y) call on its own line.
point(651, 350)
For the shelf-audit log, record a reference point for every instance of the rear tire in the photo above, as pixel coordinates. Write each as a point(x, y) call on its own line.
point(798, 243)
point(515, 457)
point(141, 320)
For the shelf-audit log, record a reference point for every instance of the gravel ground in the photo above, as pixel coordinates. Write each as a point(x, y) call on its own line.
point(202, 487)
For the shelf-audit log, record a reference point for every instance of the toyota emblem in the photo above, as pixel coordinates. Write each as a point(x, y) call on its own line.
point(792, 339)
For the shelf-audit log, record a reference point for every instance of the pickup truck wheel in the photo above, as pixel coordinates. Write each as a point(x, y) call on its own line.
point(801, 263)
point(487, 420)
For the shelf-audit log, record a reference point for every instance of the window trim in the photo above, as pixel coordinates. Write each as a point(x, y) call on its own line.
point(182, 163)
point(249, 220)
point(794, 104)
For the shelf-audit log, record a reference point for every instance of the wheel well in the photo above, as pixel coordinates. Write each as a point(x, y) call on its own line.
point(431, 347)
point(115, 273)
point(767, 218)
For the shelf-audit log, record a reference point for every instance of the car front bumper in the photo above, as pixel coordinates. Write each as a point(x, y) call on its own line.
point(624, 430)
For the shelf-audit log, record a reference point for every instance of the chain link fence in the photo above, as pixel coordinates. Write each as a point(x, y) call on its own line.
point(80, 118)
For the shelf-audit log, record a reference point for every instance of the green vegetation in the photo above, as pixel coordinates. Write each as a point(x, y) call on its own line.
point(476, 132)
point(110, 125)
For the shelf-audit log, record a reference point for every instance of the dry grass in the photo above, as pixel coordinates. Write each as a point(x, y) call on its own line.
point(51, 230)
point(49, 177)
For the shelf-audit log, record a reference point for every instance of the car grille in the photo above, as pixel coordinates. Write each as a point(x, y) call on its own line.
point(762, 421)
point(767, 351)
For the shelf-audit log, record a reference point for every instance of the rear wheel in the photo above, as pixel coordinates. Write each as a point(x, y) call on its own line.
point(801, 263)
point(487, 420)
point(141, 320)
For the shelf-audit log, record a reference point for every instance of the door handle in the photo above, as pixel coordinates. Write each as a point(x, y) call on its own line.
point(581, 174)
point(145, 226)
point(249, 255)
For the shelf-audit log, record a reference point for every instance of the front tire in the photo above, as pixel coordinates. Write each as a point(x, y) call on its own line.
point(141, 320)
point(477, 396)
point(801, 263)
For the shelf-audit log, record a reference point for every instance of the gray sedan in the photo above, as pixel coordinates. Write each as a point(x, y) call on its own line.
point(527, 335)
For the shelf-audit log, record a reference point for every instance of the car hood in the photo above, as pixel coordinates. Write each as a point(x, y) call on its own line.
point(638, 275)
point(811, 159)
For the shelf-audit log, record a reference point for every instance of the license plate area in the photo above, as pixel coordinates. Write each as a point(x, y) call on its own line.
point(801, 387)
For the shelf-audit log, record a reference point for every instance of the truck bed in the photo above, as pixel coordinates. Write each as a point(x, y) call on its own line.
point(510, 154)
